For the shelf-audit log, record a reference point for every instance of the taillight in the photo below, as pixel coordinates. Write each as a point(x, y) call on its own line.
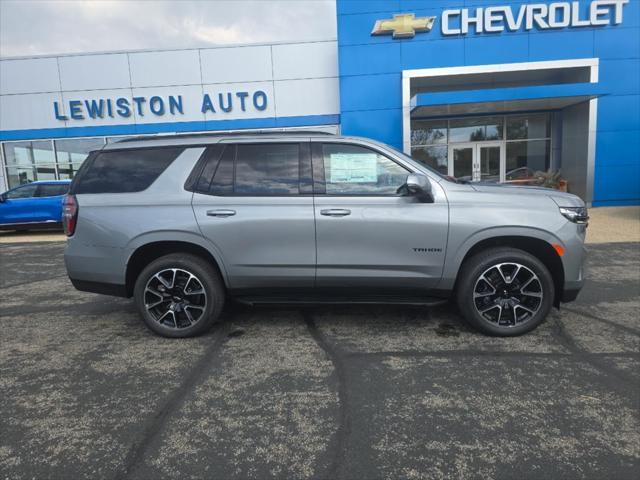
point(69, 214)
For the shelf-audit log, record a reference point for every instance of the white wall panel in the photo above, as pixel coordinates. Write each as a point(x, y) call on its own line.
point(93, 72)
point(236, 113)
point(156, 69)
point(191, 104)
point(236, 64)
point(96, 95)
point(305, 60)
point(35, 75)
point(307, 97)
point(32, 111)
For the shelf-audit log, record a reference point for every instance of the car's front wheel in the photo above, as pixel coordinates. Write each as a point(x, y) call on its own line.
point(179, 295)
point(504, 291)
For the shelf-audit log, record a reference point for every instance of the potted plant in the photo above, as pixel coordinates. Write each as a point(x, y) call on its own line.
point(551, 179)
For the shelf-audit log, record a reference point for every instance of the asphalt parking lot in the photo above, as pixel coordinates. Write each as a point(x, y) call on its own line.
point(331, 392)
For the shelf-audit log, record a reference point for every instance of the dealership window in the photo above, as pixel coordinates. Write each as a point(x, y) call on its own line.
point(72, 152)
point(28, 161)
point(524, 138)
point(429, 143)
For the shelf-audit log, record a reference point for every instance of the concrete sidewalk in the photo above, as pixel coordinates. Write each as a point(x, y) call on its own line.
point(607, 225)
point(614, 224)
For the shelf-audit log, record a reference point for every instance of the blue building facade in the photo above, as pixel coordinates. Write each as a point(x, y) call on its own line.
point(493, 90)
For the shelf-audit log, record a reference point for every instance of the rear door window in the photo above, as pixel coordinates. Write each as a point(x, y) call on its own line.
point(52, 190)
point(124, 171)
point(268, 169)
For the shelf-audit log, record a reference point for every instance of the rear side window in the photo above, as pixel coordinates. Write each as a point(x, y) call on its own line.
point(53, 190)
point(123, 171)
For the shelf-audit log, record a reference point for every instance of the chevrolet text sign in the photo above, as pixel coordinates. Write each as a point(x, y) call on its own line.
point(535, 15)
point(540, 16)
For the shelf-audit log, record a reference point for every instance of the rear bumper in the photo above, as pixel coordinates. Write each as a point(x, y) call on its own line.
point(100, 287)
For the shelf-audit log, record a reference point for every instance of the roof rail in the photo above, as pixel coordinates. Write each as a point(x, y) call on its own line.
point(223, 134)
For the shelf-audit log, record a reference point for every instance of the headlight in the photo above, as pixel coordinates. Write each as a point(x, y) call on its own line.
point(575, 214)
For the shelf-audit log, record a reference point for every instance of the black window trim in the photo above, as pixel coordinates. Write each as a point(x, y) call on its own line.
point(302, 153)
point(318, 163)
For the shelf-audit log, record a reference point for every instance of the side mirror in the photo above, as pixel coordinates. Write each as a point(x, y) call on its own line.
point(3, 198)
point(419, 186)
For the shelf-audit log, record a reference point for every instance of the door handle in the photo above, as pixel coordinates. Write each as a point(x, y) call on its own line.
point(335, 212)
point(221, 213)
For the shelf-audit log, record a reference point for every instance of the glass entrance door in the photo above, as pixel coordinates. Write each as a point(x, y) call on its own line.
point(463, 160)
point(474, 162)
point(490, 162)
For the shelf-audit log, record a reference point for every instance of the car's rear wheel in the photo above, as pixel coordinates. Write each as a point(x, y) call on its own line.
point(504, 291)
point(179, 295)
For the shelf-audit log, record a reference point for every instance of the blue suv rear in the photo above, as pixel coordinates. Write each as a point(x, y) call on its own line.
point(33, 205)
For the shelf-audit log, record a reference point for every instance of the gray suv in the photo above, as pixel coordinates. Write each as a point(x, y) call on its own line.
point(183, 223)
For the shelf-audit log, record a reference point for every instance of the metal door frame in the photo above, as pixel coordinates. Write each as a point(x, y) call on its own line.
point(503, 157)
point(475, 157)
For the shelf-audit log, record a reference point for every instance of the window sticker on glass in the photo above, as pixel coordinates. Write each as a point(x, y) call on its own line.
point(353, 168)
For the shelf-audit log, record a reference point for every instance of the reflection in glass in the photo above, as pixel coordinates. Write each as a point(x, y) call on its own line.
point(68, 171)
point(267, 169)
point(475, 129)
point(77, 149)
point(26, 191)
point(428, 132)
point(490, 164)
point(434, 157)
point(71, 153)
point(25, 154)
point(493, 128)
point(466, 130)
point(532, 154)
point(463, 163)
point(528, 126)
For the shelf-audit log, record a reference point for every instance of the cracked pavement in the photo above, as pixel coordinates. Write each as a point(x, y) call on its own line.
point(329, 392)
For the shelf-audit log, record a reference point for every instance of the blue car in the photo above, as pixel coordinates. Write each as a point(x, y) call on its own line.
point(34, 205)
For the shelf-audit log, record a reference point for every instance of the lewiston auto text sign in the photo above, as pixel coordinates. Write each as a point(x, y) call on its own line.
point(156, 105)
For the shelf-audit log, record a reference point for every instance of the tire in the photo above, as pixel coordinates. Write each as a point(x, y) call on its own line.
point(188, 294)
point(523, 291)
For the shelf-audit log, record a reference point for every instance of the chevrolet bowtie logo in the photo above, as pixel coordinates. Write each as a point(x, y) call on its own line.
point(403, 25)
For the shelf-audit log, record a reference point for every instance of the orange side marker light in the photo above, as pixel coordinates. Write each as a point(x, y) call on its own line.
point(558, 248)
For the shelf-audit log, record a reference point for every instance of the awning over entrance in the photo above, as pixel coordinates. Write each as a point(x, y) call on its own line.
point(502, 100)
